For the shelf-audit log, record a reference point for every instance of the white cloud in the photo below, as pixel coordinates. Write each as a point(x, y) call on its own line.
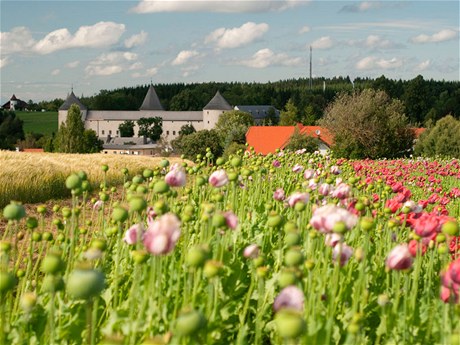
point(364, 6)
point(73, 64)
point(324, 42)
point(304, 29)
point(236, 37)
point(187, 71)
point(135, 66)
point(441, 36)
point(266, 57)
point(4, 61)
point(183, 57)
point(152, 71)
point(374, 41)
point(101, 34)
point(136, 40)
point(111, 63)
point(371, 62)
point(56, 71)
point(422, 66)
point(225, 6)
point(17, 40)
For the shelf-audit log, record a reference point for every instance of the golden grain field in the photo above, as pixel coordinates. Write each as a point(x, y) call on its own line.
point(37, 177)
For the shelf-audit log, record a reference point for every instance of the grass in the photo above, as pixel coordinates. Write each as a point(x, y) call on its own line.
point(38, 177)
point(39, 122)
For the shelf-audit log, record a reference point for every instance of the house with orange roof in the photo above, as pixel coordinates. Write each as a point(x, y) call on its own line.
point(267, 139)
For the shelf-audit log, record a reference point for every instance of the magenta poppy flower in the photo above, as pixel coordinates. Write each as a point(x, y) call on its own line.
point(133, 233)
point(399, 258)
point(162, 235)
point(176, 176)
point(218, 178)
point(297, 168)
point(291, 297)
point(276, 163)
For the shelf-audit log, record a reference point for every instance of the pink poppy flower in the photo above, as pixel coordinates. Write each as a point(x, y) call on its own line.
point(218, 178)
point(279, 194)
point(342, 251)
point(176, 176)
point(297, 168)
point(324, 189)
point(251, 251)
point(325, 217)
point(133, 233)
point(276, 163)
point(162, 235)
point(308, 174)
point(296, 197)
point(291, 297)
point(231, 220)
point(332, 239)
point(399, 258)
point(342, 191)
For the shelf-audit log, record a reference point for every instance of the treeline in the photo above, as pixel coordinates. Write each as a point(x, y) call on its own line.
point(425, 101)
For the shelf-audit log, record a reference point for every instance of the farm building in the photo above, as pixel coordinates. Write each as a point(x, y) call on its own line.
point(267, 139)
point(15, 104)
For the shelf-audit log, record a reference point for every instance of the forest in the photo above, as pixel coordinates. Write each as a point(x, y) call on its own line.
point(426, 101)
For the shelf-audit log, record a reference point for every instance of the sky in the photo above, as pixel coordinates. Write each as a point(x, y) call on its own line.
point(49, 47)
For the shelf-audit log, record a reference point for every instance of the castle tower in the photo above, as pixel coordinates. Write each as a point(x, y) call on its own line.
point(151, 100)
point(64, 108)
point(214, 109)
point(13, 103)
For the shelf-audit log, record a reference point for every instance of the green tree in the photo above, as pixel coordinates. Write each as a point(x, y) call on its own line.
point(196, 143)
point(443, 139)
point(11, 129)
point(92, 144)
point(187, 129)
point(271, 119)
point(150, 127)
point(368, 124)
point(416, 98)
point(70, 136)
point(299, 141)
point(232, 127)
point(126, 129)
point(289, 114)
point(309, 117)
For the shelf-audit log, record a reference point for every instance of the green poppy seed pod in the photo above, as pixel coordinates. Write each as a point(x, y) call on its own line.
point(14, 211)
point(212, 268)
point(52, 283)
point(293, 257)
point(236, 162)
point(189, 322)
point(124, 171)
point(85, 283)
point(218, 220)
point(290, 226)
point(292, 239)
point(339, 227)
point(299, 206)
point(164, 163)
point(286, 278)
point(66, 212)
point(450, 228)
point(262, 271)
point(140, 256)
point(41, 209)
point(309, 264)
point(105, 167)
point(137, 204)
point(119, 214)
point(99, 243)
point(73, 182)
point(274, 220)
point(220, 161)
point(440, 238)
point(28, 301)
point(138, 179)
point(200, 181)
point(232, 176)
point(258, 261)
point(52, 264)
point(289, 323)
point(7, 282)
point(147, 173)
point(443, 248)
point(36, 236)
point(20, 273)
point(104, 196)
point(367, 223)
point(196, 257)
point(31, 223)
point(383, 300)
point(5, 247)
point(47, 236)
point(161, 187)
point(56, 208)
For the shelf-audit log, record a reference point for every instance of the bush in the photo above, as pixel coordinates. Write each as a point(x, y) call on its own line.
point(368, 125)
point(299, 141)
point(441, 140)
point(196, 143)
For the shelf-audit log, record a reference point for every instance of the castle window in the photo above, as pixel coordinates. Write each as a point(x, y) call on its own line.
point(167, 132)
point(207, 112)
point(110, 132)
point(174, 132)
point(103, 134)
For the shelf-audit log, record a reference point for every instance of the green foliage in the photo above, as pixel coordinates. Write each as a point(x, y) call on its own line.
point(233, 149)
point(368, 124)
point(150, 127)
point(232, 127)
point(92, 144)
point(126, 129)
point(196, 143)
point(299, 141)
point(11, 129)
point(187, 129)
point(288, 116)
point(271, 119)
point(70, 135)
point(441, 140)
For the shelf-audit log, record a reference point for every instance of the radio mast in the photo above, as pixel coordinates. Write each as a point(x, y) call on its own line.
point(311, 84)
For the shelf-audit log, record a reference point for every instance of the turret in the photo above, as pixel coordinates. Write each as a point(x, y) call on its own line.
point(64, 108)
point(214, 109)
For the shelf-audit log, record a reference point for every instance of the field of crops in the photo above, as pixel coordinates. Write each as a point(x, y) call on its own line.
point(291, 248)
point(39, 122)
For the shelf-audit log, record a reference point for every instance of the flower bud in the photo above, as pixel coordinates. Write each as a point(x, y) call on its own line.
point(196, 257)
point(14, 211)
point(28, 301)
point(212, 268)
point(73, 182)
point(293, 257)
point(85, 283)
point(52, 264)
point(450, 228)
point(290, 323)
point(52, 284)
point(7, 282)
point(189, 322)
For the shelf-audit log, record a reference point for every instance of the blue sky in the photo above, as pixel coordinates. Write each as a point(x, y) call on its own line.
point(48, 46)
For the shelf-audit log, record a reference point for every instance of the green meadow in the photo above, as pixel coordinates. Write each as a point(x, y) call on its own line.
point(39, 122)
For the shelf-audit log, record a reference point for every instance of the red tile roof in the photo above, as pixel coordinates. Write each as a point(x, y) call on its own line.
point(267, 139)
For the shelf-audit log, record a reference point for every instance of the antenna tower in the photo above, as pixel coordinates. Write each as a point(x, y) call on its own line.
point(311, 84)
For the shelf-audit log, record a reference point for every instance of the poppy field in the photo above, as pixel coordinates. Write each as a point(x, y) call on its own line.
point(288, 248)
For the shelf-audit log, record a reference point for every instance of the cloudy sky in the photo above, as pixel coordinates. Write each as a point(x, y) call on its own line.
point(49, 46)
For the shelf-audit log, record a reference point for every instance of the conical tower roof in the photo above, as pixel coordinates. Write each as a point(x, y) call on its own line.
point(72, 99)
point(218, 102)
point(151, 100)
